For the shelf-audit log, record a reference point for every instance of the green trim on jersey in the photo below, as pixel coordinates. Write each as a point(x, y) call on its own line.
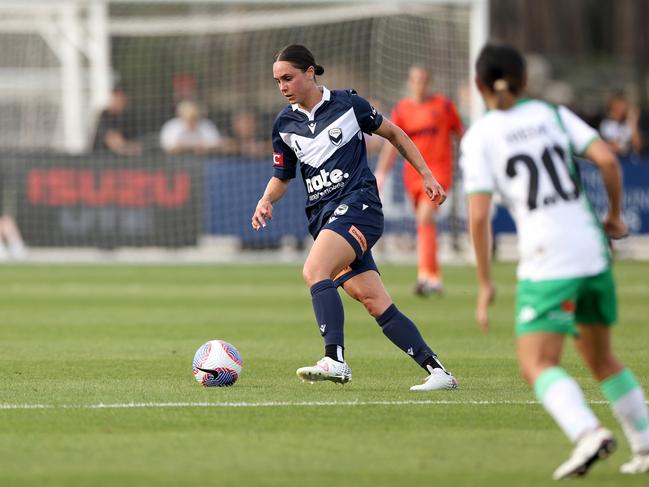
point(557, 305)
point(523, 100)
point(574, 171)
point(589, 143)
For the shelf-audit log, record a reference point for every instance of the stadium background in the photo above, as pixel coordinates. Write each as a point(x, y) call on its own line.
point(95, 360)
point(60, 59)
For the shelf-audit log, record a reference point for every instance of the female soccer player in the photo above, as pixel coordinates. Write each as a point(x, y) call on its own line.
point(430, 121)
point(323, 131)
point(524, 149)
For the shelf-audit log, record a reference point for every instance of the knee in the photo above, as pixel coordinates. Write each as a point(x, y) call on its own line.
point(312, 274)
point(308, 275)
point(373, 303)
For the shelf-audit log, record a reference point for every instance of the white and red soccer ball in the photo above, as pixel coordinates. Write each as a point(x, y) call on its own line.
point(217, 363)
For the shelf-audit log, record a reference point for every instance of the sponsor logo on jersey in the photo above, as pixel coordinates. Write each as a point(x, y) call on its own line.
point(568, 306)
point(527, 314)
point(278, 159)
point(297, 149)
point(341, 210)
point(360, 238)
point(332, 219)
point(312, 127)
point(325, 179)
point(336, 136)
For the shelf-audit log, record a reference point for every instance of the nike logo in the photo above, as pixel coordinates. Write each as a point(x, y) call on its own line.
point(312, 127)
point(213, 373)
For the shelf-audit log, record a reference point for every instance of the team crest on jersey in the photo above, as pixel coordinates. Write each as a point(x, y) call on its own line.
point(336, 136)
point(341, 210)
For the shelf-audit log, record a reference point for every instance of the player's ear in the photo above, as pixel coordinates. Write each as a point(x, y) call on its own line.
point(310, 73)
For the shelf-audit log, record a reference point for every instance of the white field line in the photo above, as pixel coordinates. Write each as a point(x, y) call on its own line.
point(269, 404)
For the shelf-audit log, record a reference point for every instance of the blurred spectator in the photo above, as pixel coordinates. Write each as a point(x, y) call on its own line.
point(115, 132)
point(11, 242)
point(620, 127)
point(185, 88)
point(245, 140)
point(189, 132)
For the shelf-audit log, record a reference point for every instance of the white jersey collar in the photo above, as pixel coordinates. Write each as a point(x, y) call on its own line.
point(326, 96)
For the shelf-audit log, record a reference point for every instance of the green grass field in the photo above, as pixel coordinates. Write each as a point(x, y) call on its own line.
point(74, 337)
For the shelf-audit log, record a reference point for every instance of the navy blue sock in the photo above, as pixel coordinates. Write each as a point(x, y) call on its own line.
point(329, 313)
point(405, 335)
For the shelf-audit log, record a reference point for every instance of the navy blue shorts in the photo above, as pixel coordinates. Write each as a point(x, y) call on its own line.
point(361, 224)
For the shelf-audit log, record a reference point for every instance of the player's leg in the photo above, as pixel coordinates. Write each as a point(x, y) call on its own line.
point(368, 289)
point(539, 355)
point(329, 254)
point(429, 279)
point(596, 311)
point(545, 314)
point(621, 389)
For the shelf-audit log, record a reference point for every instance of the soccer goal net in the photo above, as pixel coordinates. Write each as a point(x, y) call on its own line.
point(91, 155)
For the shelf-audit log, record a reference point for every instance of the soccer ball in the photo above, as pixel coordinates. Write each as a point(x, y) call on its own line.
point(217, 363)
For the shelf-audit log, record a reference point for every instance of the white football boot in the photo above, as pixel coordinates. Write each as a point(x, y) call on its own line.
point(638, 464)
point(438, 379)
point(326, 369)
point(595, 445)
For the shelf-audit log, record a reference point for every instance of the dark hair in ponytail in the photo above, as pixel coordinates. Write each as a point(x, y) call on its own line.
point(501, 69)
point(300, 57)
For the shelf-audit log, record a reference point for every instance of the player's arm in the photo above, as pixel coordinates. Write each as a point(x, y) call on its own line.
point(480, 230)
point(406, 147)
point(388, 154)
point(605, 159)
point(589, 144)
point(275, 189)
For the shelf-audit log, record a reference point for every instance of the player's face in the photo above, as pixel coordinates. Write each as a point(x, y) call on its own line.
point(293, 83)
point(418, 82)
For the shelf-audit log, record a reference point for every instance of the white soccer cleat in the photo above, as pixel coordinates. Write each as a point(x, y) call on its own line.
point(638, 464)
point(436, 381)
point(326, 369)
point(595, 445)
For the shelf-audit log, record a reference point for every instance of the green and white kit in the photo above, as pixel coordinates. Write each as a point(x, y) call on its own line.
point(525, 154)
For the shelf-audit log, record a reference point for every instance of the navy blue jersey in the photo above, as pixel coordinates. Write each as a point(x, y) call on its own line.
point(329, 145)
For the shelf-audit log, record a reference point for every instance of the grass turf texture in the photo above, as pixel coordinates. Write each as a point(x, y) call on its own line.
point(83, 335)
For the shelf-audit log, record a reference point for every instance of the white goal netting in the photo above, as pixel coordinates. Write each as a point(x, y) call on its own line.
point(72, 178)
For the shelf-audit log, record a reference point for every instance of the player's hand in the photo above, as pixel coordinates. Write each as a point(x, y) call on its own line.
point(434, 190)
point(614, 227)
point(486, 296)
point(263, 212)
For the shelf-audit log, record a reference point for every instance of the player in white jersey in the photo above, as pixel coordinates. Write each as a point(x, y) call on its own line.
point(523, 149)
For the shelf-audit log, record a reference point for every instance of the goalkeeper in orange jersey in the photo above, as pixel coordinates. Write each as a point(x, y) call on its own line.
point(429, 120)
